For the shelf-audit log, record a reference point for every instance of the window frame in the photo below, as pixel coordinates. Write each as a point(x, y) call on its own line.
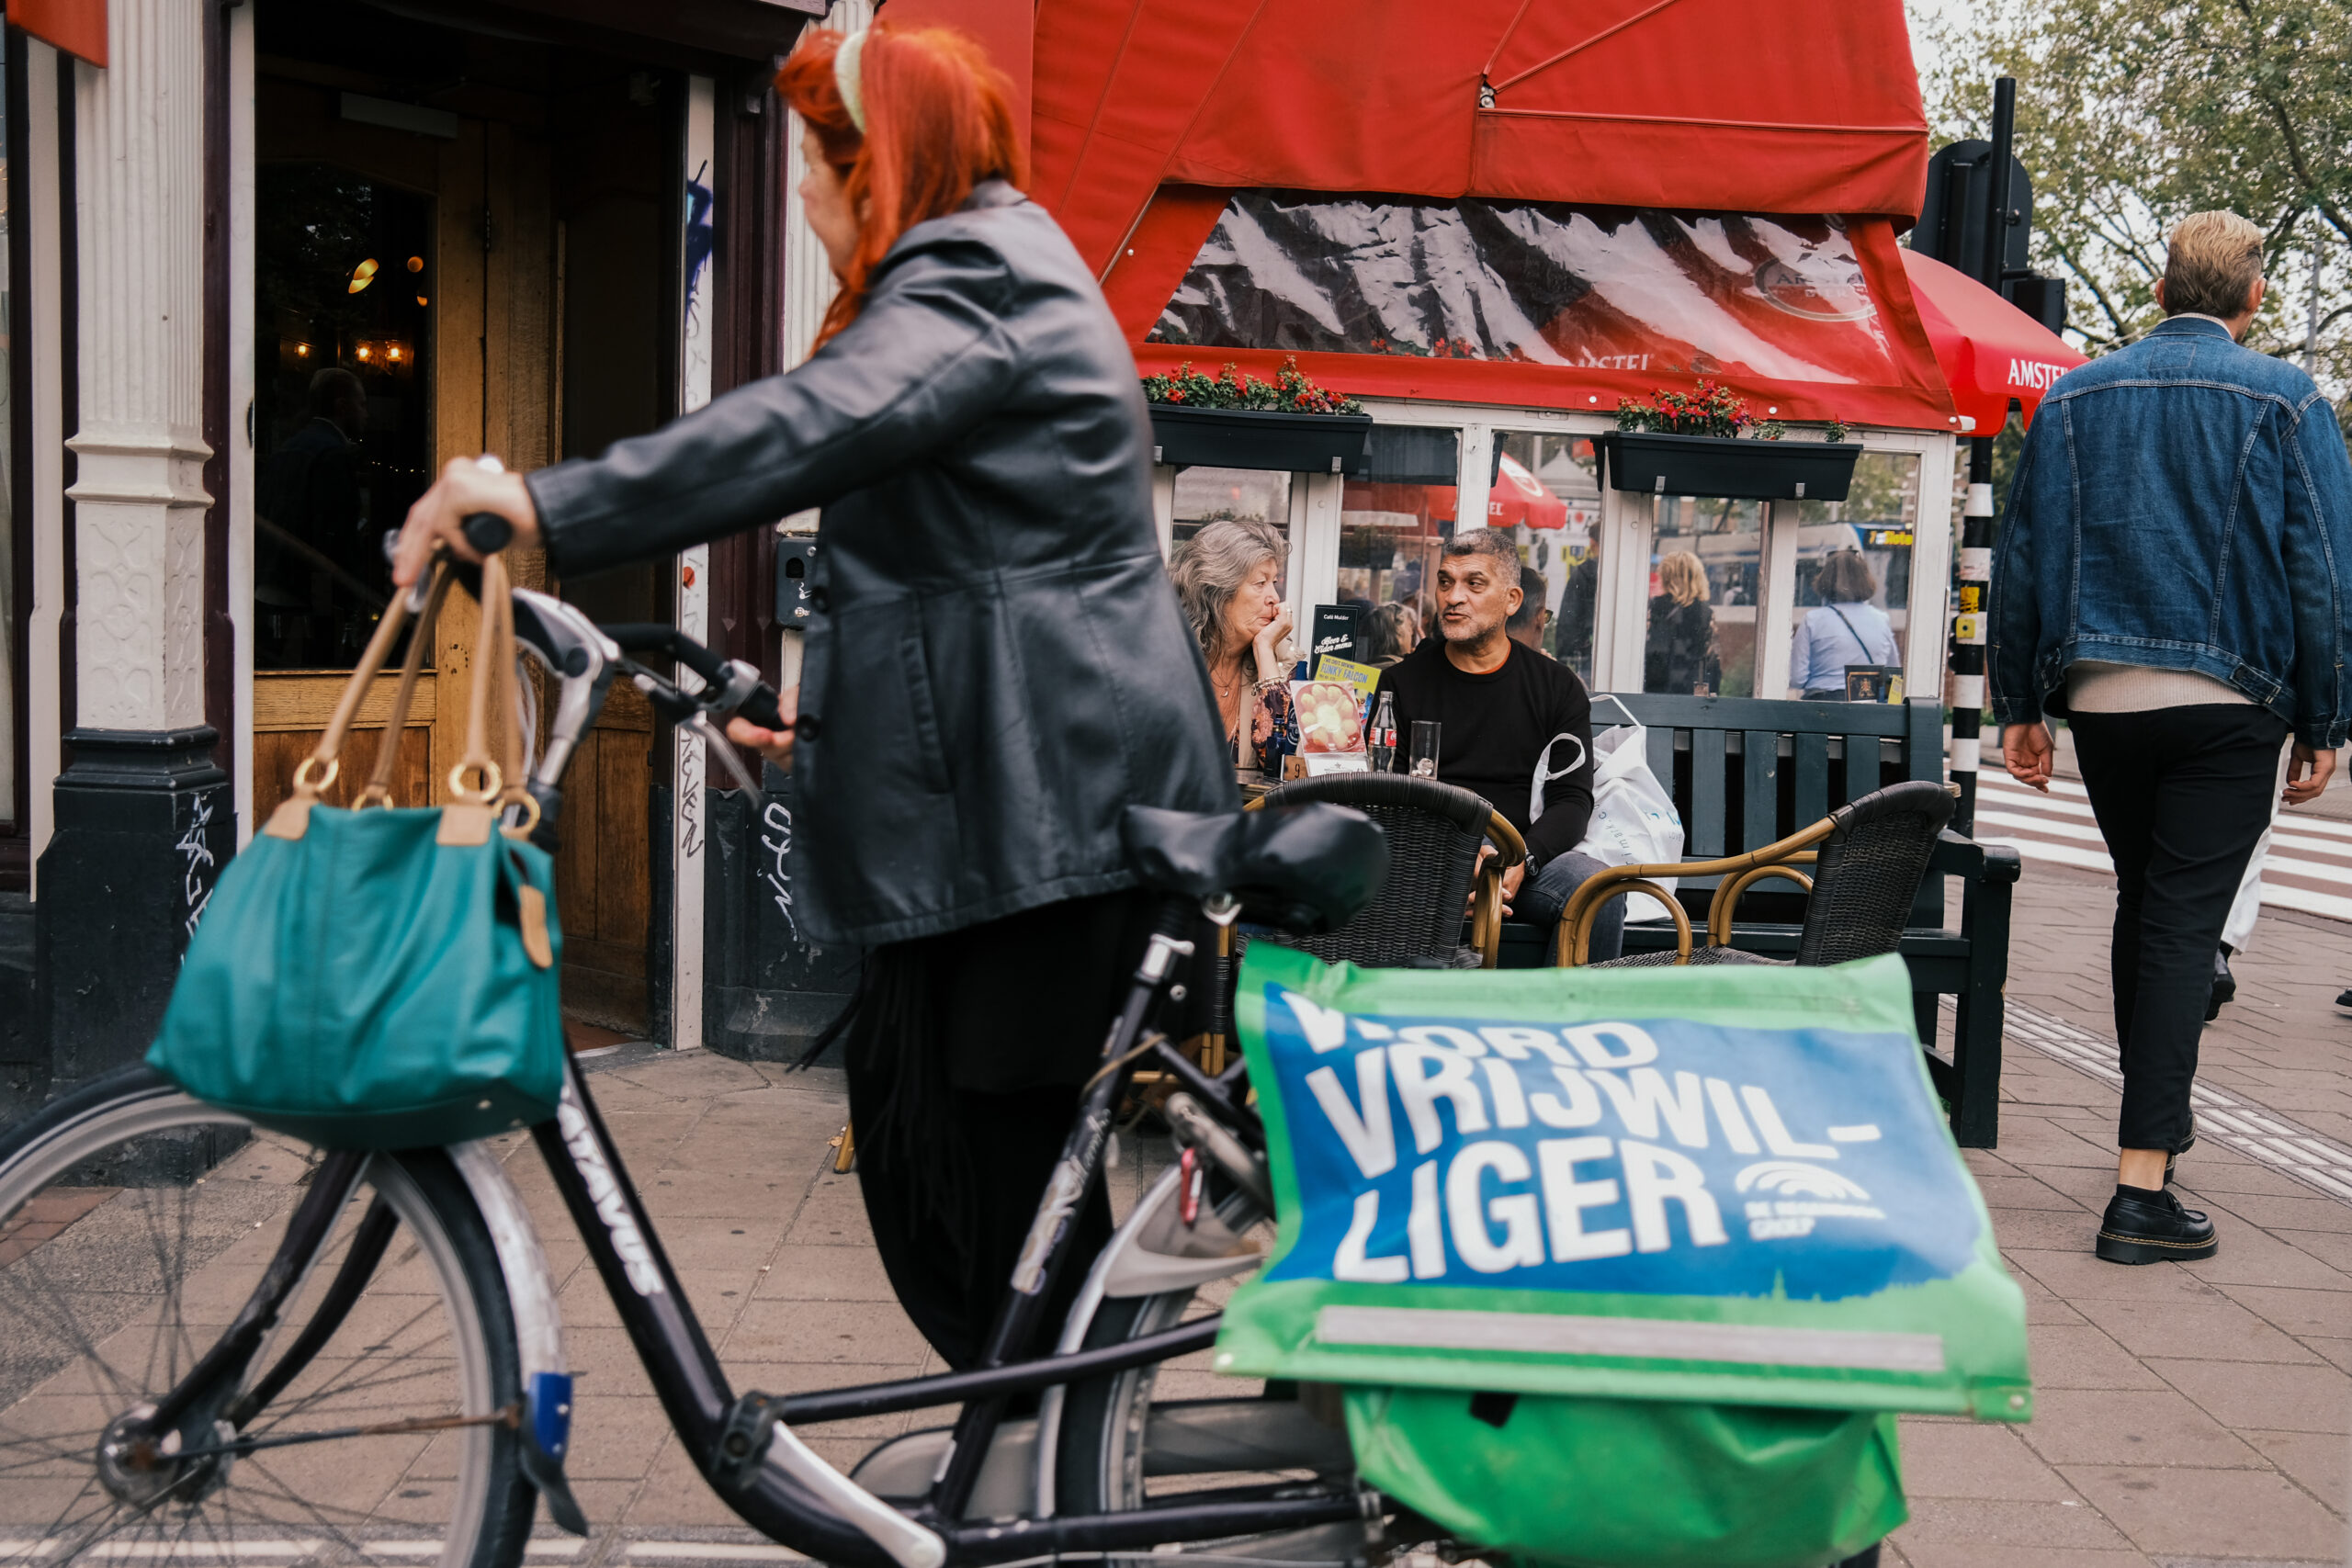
point(1628, 531)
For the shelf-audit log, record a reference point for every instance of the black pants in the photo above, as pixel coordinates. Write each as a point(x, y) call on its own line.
point(965, 1062)
point(2181, 794)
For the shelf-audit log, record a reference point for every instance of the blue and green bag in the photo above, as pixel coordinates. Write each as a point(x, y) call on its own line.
point(1621, 1268)
point(382, 978)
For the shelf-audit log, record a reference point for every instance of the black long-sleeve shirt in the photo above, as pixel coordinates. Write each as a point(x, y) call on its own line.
point(1497, 726)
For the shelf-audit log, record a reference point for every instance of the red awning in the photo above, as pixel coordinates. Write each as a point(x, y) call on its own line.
point(1520, 497)
point(1735, 105)
point(1148, 116)
point(1988, 349)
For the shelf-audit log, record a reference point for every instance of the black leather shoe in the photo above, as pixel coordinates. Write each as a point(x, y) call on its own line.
point(2225, 985)
point(2344, 999)
point(2153, 1228)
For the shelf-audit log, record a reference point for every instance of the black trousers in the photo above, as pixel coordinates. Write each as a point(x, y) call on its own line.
point(966, 1059)
point(2181, 795)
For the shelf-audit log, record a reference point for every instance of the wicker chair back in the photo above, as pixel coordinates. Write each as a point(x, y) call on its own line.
point(1869, 870)
point(1434, 830)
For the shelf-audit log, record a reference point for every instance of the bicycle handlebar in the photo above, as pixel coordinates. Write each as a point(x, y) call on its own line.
point(487, 532)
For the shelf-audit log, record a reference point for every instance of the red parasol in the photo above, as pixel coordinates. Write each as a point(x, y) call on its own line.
point(1988, 349)
point(1518, 497)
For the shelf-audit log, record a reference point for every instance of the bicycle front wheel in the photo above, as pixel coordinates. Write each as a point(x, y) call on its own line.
point(135, 1223)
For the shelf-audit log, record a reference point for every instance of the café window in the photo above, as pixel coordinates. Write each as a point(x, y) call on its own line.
point(1546, 494)
point(1853, 578)
point(1207, 495)
point(1393, 521)
point(1779, 298)
point(1706, 572)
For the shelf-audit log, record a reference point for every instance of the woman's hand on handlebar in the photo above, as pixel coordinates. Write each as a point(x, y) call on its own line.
point(776, 745)
point(437, 518)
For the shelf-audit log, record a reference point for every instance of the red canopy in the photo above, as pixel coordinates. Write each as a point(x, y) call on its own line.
point(1735, 105)
point(1518, 497)
point(1988, 349)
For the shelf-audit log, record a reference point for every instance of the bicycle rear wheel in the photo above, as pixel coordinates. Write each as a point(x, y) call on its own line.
point(1148, 1436)
point(134, 1223)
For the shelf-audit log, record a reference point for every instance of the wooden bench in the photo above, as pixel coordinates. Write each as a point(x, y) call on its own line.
point(1745, 773)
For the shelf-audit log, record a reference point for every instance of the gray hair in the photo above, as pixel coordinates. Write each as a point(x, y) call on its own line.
point(1491, 543)
point(1208, 568)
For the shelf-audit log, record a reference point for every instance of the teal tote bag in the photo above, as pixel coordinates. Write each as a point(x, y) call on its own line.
point(377, 978)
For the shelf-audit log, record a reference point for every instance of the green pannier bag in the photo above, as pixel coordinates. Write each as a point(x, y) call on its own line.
point(1621, 1268)
point(382, 979)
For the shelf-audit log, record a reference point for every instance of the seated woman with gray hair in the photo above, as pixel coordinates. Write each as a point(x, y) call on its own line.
point(1229, 578)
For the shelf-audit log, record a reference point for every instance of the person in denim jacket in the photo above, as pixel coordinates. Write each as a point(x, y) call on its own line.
point(2166, 577)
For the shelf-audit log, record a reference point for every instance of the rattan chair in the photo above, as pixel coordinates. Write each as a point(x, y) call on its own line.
point(1868, 857)
point(1435, 832)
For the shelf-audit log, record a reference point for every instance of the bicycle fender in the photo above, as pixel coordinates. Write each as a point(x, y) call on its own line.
point(545, 1429)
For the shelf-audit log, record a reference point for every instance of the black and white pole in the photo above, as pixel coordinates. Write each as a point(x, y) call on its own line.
point(1975, 575)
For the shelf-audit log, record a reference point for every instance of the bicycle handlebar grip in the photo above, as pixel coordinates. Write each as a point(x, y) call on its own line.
point(487, 532)
point(761, 709)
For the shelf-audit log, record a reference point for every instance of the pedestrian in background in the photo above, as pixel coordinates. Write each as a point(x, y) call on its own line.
point(2165, 577)
point(1844, 628)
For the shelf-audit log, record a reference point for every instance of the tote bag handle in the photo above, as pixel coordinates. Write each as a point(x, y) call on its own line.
point(497, 781)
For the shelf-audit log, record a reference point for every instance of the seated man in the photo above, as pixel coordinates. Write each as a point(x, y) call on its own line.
point(1518, 727)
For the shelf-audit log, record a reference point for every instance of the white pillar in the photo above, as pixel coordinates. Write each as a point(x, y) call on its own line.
point(43, 686)
point(688, 863)
point(139, 496)
point(241, 403)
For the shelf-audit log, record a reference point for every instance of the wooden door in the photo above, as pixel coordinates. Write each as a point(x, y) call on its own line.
point(487, 276)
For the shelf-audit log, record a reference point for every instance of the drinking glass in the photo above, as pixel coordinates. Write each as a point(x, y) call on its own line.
point(1425, 748)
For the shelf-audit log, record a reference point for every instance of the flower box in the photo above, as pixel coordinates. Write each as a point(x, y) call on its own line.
point(1728, 466)
point(1261, 438)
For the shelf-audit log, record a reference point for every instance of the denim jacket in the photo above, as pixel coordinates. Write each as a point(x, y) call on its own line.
point(2184, 503)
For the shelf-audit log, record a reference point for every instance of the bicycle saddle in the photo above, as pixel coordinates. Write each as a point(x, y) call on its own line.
point(1301, 869)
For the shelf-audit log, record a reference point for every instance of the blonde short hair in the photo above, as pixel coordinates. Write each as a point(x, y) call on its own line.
point(1682, 579)
point(2212, 265)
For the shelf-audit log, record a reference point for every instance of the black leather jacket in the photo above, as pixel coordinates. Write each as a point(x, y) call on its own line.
point(998, 665)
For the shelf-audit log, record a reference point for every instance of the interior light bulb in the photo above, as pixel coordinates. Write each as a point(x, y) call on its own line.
point(417, 264)
point(362, 276)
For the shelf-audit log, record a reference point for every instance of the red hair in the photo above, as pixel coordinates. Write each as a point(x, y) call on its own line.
point(938, 122)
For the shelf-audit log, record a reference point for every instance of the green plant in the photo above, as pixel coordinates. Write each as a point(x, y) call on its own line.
point(1712, 410)
point(1291, 391)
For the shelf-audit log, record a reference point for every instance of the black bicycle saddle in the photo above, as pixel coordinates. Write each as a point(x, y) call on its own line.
point(1301, 869)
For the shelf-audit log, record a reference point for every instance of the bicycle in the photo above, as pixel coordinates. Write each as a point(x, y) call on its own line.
point(211, 1321)
point(230, 1345)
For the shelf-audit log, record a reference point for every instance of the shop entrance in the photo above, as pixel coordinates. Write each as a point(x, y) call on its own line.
point(458, 247)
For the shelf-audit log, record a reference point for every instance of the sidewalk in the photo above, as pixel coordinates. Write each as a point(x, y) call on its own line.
point(2185, 1414)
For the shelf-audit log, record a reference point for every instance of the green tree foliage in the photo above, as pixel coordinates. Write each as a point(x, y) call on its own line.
point(2133, 113)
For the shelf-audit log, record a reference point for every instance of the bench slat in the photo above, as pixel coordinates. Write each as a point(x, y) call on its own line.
point(1760, 807)
point(1661, 746)
point(1813, 778)
point(1707, 805)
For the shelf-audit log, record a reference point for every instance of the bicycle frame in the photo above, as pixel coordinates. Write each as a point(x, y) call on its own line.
point(744, 1444)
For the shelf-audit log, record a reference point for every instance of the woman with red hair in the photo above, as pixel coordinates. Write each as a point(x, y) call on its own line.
point(997, 668)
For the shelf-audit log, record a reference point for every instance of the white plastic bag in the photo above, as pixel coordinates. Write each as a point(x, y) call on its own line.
point(1633, 818)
